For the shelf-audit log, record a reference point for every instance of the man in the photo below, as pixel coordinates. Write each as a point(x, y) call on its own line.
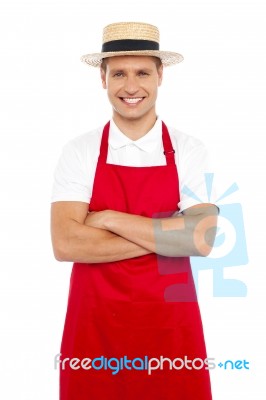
point(133, 325)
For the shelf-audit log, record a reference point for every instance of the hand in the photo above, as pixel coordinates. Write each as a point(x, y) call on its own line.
point(96, 219)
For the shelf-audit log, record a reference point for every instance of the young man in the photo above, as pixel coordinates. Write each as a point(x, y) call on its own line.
point(133, 328)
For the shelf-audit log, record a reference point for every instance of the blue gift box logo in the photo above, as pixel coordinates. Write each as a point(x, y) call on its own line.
point(229, 250)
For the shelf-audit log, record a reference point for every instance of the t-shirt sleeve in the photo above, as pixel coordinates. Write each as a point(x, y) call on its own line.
point(195, 184)
point(71, 182)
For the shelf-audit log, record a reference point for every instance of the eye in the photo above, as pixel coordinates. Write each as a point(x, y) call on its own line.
point(118, 74)
point(143, 73)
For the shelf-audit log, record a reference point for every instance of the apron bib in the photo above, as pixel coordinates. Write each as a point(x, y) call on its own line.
point(141, 308)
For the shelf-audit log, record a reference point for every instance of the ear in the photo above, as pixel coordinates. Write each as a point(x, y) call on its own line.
point(103, 78)
point(160, 75)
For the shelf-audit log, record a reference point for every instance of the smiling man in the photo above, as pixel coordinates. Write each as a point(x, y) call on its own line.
point(119, 214)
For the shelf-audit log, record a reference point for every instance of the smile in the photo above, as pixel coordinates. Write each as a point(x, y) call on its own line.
point(131, 100)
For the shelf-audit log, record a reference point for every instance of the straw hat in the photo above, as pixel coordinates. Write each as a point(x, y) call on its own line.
point(131, 38)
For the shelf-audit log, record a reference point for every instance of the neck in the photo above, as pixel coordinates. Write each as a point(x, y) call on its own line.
point(136, 128)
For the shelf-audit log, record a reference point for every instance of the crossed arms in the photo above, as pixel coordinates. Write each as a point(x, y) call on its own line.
point(107, 236)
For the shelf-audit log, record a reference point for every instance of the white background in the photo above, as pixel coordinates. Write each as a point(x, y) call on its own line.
point(47, 96)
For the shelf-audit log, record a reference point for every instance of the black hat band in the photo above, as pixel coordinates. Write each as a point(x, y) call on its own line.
point(129, 45)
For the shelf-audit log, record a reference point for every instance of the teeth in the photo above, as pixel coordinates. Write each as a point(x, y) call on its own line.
point(132, 100)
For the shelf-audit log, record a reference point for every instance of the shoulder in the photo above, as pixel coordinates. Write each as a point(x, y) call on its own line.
point(74, 173)
point(88, 141)
point(182, 140)
point(83, 149)
point(186, 146)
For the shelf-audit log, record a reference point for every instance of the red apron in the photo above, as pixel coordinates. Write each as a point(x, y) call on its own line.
point(127, 312)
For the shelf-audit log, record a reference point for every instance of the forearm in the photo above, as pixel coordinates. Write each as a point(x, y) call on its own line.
point(92, 245)
point(178, 236)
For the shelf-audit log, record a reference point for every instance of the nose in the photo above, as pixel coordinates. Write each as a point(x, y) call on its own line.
point(131, 85)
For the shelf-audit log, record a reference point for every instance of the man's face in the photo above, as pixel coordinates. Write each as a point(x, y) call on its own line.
point(132, 84)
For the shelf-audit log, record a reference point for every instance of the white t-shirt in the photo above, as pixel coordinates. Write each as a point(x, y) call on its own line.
point(75, 171)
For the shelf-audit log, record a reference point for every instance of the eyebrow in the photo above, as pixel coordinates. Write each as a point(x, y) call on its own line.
point(116, 70)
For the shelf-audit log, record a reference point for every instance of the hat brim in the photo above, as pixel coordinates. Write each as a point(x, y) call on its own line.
point(167, 57)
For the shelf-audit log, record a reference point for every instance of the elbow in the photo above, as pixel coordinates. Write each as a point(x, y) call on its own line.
point(67, 250)
point(203, 250)
point(59, 256)
point(61, 252)
point(205, 241)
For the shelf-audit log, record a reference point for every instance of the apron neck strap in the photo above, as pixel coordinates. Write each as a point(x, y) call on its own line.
point(104, 143)
point(169, 152)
